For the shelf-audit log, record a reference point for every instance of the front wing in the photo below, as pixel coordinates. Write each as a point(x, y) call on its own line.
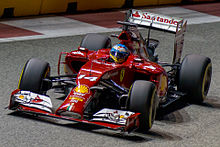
point(37, 104)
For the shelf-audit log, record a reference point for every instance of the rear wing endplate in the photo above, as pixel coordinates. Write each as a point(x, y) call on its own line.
point(169, 24)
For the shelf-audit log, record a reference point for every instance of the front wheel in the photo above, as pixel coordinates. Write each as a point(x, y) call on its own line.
point(32, 76)
point(143, 99)
point(195, 77)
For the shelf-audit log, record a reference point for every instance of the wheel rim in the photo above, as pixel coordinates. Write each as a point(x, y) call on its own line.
point(206, 81)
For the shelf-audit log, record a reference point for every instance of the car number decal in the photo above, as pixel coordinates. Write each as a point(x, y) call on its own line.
point(88, 78)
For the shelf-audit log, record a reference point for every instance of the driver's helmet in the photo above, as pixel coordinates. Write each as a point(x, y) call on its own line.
point(119, 53)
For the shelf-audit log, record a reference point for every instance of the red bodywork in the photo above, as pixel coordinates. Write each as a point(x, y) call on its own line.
point(93, 66)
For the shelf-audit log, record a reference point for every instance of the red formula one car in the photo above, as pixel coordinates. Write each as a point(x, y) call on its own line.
point(119, 87)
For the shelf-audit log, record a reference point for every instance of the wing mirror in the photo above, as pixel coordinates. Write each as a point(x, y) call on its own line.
point(82, 49)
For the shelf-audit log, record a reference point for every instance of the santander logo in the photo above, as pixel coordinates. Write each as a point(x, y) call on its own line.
point(37, 99)
point(136, 14)
point(149, 16)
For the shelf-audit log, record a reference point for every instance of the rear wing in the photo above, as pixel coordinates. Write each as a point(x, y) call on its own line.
point(169, 24)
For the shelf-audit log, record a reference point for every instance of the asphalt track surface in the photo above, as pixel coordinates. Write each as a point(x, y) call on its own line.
point(188, 125)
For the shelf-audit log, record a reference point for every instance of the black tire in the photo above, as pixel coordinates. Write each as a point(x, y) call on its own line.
point(195, 77)
point(32, 76)
point(96, 41)
point(143, 99)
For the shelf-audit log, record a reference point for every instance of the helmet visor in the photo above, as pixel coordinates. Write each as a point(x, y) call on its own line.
point(117, 54)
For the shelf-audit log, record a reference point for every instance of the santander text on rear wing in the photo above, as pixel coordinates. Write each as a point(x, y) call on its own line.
point(169, 24)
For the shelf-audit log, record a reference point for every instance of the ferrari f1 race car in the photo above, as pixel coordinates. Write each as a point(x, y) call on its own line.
point(119, 87)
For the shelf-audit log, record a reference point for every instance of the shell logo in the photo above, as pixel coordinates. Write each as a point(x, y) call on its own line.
point(82, 89)
point(21, 97)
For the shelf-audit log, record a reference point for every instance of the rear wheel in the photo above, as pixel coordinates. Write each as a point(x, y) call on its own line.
point(32, 76)
point(96, 41)
point(195, 77)
point(143, 99)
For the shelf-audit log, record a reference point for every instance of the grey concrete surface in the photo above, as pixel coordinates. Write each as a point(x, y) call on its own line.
point(193, 125)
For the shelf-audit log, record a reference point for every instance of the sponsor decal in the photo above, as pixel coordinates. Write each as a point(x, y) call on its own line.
point(149, 16)
point(21, 97)
point(74, 101)
point(37, 99)
point(115, 116)
point(76, 98)
point(122, 75)
point(83, 89)
point(136, 14)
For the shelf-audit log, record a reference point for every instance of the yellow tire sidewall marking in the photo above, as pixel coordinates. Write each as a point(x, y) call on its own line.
point(204, 81)
point(151, 109)
point(19, 82)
